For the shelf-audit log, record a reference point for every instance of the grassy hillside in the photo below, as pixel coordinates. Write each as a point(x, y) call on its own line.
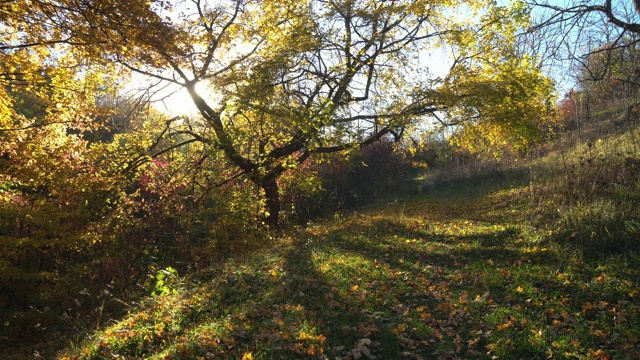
point(523, 261)
point(465, 271)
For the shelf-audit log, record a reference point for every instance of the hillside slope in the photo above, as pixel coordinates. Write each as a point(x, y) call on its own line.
point(464, 272)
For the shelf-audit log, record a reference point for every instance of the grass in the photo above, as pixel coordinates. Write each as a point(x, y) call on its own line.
point(439, 276)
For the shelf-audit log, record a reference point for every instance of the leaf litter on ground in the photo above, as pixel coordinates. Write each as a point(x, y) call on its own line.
point(431, 277)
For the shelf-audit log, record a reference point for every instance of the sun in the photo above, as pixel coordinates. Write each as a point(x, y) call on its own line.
point(175, 100)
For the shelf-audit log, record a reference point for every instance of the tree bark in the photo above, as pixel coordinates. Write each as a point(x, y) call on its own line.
point(272, 201)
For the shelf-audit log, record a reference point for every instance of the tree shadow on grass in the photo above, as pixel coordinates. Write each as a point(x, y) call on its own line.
point(398, 245)
point(299, 304)
point(422, 276)
point(335, 312)
point(402, 276)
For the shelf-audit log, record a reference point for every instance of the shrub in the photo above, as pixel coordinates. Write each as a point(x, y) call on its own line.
point(361, 177)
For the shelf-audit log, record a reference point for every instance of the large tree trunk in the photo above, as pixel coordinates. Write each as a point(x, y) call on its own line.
point(272, 197)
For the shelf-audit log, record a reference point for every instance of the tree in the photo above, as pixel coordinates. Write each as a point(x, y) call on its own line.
point(580, 13)
point(497, 98)
point(504, 107)
point(583, 31)
point(597, 45)
point(288, 80)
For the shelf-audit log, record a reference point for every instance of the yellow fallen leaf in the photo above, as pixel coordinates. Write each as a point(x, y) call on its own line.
point(399, 329)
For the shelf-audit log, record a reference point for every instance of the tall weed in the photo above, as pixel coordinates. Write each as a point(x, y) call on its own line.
point(598, 194)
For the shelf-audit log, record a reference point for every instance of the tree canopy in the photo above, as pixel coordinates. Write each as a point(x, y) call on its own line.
point(286, 80)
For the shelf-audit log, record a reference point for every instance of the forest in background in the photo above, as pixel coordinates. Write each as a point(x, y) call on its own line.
point(312, 110)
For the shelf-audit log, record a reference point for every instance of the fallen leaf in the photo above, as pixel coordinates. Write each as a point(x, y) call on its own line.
point(364, 342)
point(399, 329)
